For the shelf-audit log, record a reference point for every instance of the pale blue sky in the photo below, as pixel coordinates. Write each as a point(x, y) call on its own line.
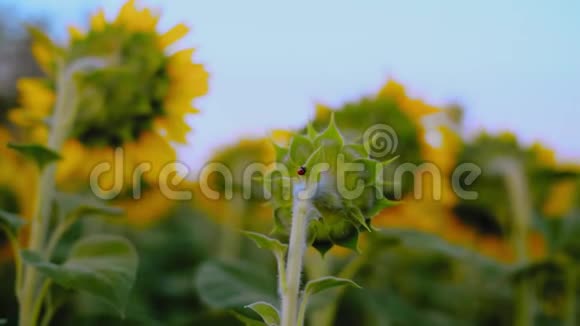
point(512, 64)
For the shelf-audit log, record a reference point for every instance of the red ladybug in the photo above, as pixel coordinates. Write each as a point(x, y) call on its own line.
point(301, 171)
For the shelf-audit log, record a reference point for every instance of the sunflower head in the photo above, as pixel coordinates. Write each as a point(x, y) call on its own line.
point(234, 174)
point(490, 186)
point(141, 96)
point(342, 203)
point(138, 101)
point(391, 107)
point(141, 88)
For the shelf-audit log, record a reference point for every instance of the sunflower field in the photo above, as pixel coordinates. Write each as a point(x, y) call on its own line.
point(381, 210)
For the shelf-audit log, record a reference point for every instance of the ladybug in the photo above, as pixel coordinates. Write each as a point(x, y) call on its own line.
point(301, 171)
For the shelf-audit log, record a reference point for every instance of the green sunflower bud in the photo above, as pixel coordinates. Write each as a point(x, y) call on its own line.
point(341, 181)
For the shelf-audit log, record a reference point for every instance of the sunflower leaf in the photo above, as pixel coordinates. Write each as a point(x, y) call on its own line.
point(300, 149)
point(74, 206)
point(269, 313)
point(327, 282)
point(265, 242)
point(102, 265)
point(11, 222)
point(329, 136)
point(41, 155)
point(225, 285)
point(311, 132)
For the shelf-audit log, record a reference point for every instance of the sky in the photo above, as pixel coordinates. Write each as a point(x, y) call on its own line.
point(513, 65)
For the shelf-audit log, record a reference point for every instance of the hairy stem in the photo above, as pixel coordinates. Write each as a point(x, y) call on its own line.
point(296, 250)
point(63, 118)
point(519, 198)
point(282, 285)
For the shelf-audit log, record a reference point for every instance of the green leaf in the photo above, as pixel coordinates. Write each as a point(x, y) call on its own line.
point(282, 220)
point(78, 205)
point(350, 242)
point(311, 132)
point(11, 222)
point(356, 216)
point(327, 282)
point(3, 321)
point(354, 151)
point(300, 149)
point(265, 242)
point(281, 152)
point(269, 313)
point(224, 285)
point(330, 136)
point(41, 155)
point(102, 265)
point(379, 205)
point(389, 161)
point(322, 246)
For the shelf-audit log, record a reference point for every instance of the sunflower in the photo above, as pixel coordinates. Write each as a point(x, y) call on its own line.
point(139, 101)
point(393, 107)
point(16, 183)
point(253, 210)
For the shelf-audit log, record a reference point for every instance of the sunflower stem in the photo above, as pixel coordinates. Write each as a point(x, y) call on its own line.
point(516, 185)
point(63, 118)
point(296, 251)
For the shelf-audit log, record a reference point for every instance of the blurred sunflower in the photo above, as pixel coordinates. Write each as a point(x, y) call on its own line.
point(561, 198)
point(252, 208)
point(16, 183)
point(139, 101)
point(393, 107)
point(491, 214)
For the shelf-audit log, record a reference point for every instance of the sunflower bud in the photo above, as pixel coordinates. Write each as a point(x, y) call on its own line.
point(340, 180)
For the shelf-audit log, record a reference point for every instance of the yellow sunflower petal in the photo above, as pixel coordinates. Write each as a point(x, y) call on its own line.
point(560, 199)
point(187, 78)
point(44, 57)
point(73, 157)
point(19, 117)
point(417, 108)
point(177, 104)
point(153, 149)
point(35, 97)
point(393, 89)
point(98, 21)
point(128, 14)
point(39, 134)
point(147, 20)
point(322, 112)
point(75, 33)
point(173, 129)
point(281, 137)
point(545, 156)
point(174, 34)
point(152, 206)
